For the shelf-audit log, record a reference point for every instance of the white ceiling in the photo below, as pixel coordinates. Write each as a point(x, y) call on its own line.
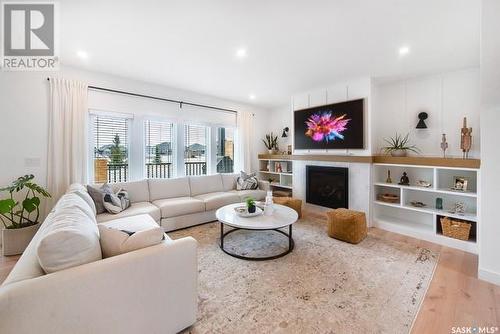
point(292, 45)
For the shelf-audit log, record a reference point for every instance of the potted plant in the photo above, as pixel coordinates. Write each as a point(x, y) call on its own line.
point(271, 143)
point(250, 205)
point(20, 218)
point(398, 146)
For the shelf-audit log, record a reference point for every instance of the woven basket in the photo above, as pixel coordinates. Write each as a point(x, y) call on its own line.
point(455, 228)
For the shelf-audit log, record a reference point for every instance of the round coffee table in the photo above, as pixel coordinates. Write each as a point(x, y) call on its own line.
point(282, 216)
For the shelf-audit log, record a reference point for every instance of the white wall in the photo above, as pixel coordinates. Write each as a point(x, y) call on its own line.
point(446, 97)
point(24, 114)
point(489, 251)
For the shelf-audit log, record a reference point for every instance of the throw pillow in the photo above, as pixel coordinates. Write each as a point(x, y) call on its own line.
point(97, 196)
point(247, 181)
point(128, 234)
point(116, 203)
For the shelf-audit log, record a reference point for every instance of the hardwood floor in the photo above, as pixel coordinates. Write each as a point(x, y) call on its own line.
point(456, 297)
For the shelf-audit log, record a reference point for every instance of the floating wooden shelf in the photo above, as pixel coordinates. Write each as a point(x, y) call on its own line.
point(318, 157)
point(381, 159)
point(428, 161)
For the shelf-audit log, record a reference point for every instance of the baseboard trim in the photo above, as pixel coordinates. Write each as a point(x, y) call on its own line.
point(489, 276)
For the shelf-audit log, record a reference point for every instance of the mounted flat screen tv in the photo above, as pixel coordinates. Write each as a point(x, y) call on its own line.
point(334, 126)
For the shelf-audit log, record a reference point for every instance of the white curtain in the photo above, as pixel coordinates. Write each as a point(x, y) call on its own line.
point(68, 132)
point(245, 134)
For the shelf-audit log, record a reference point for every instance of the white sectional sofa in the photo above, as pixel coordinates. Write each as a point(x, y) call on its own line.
point(149, 290)
point(182, 202)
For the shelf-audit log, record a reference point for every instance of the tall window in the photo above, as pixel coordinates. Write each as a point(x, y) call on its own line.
point(195, 149)
point(159, 149)
point(225, 150)
point(111, 145)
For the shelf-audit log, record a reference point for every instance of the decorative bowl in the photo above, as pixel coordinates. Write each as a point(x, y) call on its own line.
point(242, 211)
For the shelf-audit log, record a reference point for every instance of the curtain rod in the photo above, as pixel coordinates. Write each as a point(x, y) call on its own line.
point(181, 103)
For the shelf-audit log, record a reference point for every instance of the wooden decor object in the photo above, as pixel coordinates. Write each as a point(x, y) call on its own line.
point(466, 139)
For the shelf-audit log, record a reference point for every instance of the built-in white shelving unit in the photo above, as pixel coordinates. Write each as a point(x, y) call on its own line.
point(279, 172)
point(424, 222)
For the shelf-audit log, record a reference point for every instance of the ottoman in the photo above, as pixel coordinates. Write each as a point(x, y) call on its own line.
point(347, 225)
point(293, 203)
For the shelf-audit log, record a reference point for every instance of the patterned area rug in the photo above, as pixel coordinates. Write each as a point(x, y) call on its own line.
point(323, 286)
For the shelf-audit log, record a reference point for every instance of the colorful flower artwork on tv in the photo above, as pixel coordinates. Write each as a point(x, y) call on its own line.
point(324, 126)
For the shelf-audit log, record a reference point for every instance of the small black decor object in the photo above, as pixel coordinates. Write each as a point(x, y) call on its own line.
point(404, 181)
point(285, 132)
point(421, 123)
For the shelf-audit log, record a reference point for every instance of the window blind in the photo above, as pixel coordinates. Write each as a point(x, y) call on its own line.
point(111, 145)
point(159, 149)
point(195, 149)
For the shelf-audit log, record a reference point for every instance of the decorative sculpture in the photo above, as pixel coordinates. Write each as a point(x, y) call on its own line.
point(388, 180)
point(421, 123)
point(404, 181)
point(466, 139)
point(444, 144)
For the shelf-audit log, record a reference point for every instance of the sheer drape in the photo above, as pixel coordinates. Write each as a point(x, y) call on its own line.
point(245, 131)
point(68, 131)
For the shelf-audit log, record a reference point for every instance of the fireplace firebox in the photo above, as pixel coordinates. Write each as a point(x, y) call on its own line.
point(327, 186)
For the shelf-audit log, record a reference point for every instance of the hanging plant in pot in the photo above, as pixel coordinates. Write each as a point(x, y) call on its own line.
point(20, 218)
point(271, 143)
point(398, 146)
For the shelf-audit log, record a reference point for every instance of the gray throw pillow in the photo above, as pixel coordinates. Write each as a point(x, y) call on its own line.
point(116, 203)
point(97, 195)
point(247, 181)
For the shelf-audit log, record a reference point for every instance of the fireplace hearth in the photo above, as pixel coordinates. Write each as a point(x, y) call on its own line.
point(327, 186)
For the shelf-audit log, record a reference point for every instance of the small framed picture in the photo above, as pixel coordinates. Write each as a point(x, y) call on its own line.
point(460, 183)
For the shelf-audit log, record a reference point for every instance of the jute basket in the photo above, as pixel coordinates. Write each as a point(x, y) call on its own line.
point(455, 228)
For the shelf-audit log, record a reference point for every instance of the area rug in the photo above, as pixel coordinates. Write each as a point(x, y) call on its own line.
point(323, 286)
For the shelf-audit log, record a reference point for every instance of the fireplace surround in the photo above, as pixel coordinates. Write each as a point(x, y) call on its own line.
point(327, 186)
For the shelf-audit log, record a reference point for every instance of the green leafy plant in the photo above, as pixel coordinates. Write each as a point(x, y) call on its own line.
point(15, 214)
point(271, 141)
point(250, 202)
point(399, 142)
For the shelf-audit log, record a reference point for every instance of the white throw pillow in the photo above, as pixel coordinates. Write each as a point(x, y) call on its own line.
point(128, 234)
point(72, 239)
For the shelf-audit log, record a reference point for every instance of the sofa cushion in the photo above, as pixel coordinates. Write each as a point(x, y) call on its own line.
point(116, 203)
point(169, 188)
point(128, 234)
point(205, 184)
point(229, 181)
point(173, 207)
point(216, 200)
point(134, 210)
point(81, 190)
point(74, 201)
point(256, 194)
point(97, 194)
point(72, 239)
point(247, 181)
point(138, 191)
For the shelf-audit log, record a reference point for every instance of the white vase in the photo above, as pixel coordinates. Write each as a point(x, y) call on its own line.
point(399, 153)
point(270, 152)
point(15, 240)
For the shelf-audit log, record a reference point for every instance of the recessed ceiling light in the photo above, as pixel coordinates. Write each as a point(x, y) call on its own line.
point(82, 54)
point(252, 96)
point(241, 53)
point(404, 50)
